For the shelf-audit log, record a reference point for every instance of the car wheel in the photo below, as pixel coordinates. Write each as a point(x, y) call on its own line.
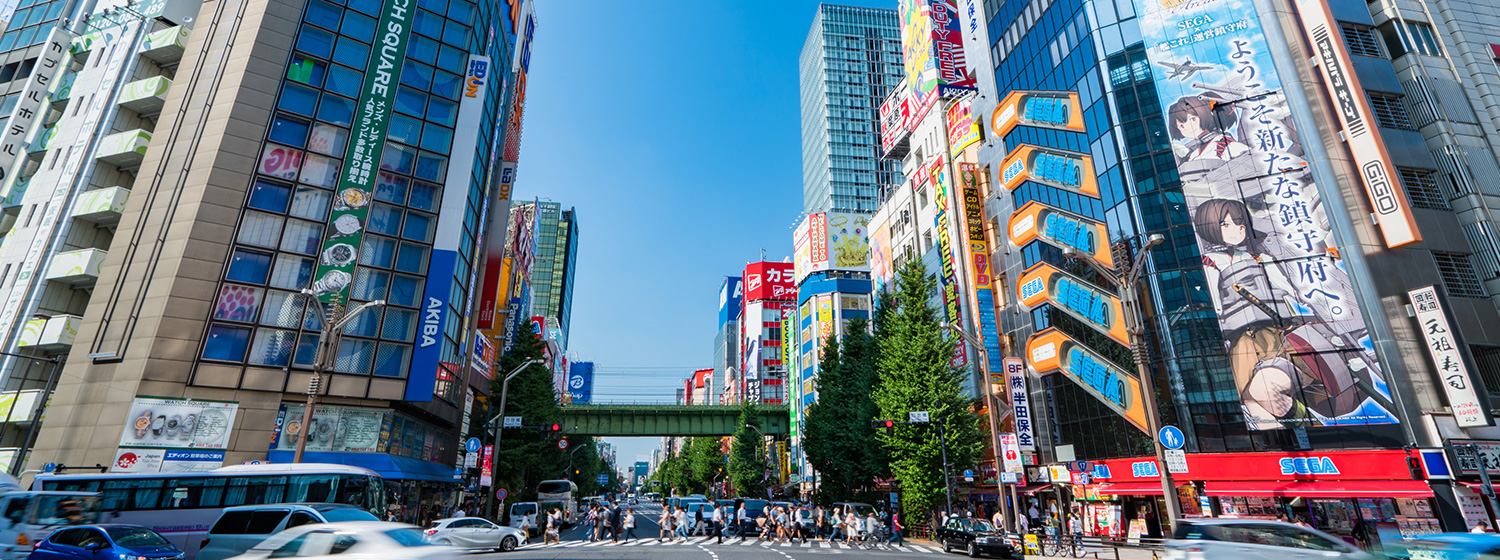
point(973, 550)
point(947, 547)
point(507, 544)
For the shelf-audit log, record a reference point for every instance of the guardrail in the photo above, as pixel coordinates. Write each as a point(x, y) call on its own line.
point(1078, 546)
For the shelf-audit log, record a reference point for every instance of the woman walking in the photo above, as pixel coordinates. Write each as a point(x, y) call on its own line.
point(630, 524)
point(666, 524)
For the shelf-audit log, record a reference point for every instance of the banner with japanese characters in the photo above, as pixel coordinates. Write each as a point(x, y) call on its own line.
point(1299, 349)
point(1446, 349)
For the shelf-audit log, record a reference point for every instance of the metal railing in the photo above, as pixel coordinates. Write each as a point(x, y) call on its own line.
point(1078, 546)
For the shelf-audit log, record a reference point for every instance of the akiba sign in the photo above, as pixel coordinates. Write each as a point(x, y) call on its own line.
point(422, 377)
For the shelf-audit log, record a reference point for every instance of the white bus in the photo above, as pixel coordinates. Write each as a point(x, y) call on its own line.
point(183, 506)
point(557, 493)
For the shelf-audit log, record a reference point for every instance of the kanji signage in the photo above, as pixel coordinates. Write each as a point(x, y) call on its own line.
point(1448, 357)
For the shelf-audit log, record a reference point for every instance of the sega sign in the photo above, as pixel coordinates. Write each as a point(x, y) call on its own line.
point(1144, 469)
point(1308, 465)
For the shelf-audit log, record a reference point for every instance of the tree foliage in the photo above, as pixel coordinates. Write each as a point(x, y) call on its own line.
point(747, 464)
point(524, 458)
point(916, 375)
point(838, 440)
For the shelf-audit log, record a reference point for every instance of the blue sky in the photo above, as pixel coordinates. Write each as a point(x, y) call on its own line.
point(674, 129)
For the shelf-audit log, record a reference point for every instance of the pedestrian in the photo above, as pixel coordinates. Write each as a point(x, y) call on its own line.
point(619, 523)
point(665, 523)
point(1482, 527)
point(1302, 522)
point(554, 522)
point(836, 526)
point(630, 524)
point(998, 520)
point(526, 527)
point(718, 521)
point(459, 511)
point(698, 526)
point(739, 518)
point(896, 529)
point(682, 523)
point(818, 523)
point(1023, 524)
point(872, 530)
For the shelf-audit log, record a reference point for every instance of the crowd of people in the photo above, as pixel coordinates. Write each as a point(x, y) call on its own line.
point(781, 524)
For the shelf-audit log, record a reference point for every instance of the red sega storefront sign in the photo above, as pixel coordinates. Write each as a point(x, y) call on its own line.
point(1306, 465)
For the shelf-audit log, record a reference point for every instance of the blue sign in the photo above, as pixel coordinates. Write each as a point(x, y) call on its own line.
point(1171, 437)
point(731, 297)
point(458, 472)
point(968, 473)
point(49, 467)
point(581, 382)
point(471, 445)
point(1308, 465)
point(603, 479)
point(421, 379)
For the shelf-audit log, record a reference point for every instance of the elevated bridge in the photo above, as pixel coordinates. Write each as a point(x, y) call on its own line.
point(629, 420)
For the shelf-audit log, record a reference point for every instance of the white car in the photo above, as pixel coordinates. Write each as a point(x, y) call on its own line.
point(474, 532)
point(1251, 539)
point(381, 540)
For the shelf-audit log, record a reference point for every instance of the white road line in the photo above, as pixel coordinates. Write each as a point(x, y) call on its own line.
point(923, 549)
point(575, 544)
point(595, 543)
point(806, 544)
point(747, 543)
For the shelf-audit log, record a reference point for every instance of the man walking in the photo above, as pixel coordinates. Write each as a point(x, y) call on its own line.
point(718, 521)
point(619, 523)
point(739, 519)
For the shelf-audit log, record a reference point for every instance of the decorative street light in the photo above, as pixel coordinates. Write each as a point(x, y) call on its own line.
point(993, 402)
point(1135, 326)
point(328, 340)
point(494, 425)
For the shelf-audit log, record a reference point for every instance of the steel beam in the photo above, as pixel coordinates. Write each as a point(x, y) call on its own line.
point(667, 420)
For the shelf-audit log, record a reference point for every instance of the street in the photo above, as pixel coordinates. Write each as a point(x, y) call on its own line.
point(574, 545)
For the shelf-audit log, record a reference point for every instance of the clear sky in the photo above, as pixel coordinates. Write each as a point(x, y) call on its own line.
point(673, 128)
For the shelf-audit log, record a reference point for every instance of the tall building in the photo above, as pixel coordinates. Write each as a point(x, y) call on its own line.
point(553, 270)
point(850, 61)
point(769, 288)
point(727, 342)
point(287, 156)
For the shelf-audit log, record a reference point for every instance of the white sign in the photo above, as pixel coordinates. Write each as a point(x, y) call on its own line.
point(49, 67)
point(1015, 385)
point(1471, 505)
point(1447, 357)
point(512, 422)
point(1176, 461)
point(917, 416)
point(1010, 453)
point(180, 423)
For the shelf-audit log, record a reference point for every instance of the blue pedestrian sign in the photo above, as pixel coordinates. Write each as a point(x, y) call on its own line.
point(49, 467)
point(471, 445)
point(1171, 437)
point(458, 472)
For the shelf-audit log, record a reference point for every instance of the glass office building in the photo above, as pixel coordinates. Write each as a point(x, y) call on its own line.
point(554, 268)
point(850, 62)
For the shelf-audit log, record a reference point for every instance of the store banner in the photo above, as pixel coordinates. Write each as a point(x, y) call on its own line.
point(1056, 110)
point(178, 423)
point(1380, 464)
point(1101, 310)
point(1061, 229)
point(335, 272)
point(1020, 402)
point(487, 466)
point(1452, 363)
point(1051, 350)
point(51, 63)
point(1069, 171)
point(1285, 303)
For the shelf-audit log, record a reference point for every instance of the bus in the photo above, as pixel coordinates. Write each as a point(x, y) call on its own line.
point(183, 506)
point(28, 517)
point(557, 493)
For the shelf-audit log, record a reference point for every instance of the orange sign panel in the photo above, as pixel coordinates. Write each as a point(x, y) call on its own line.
point(1061, 229)
point(1057, 110)
point(1051, 350)
point(1090, 305)
point(1065, 170)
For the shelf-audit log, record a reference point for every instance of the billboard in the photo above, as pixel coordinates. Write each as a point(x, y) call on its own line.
point(1453, 364)
point(1300, 352)
point(581, 382)
point(1091, 306)
point(1382, 185)
point(895, 121)
point(1035, 220)
point(1064, 170)
point(769, 281)
point(1057, 110)
point(1051, 350)
point(947, 279)
point(1020, 402)
point(730, 297)
point(882, 265)
point(963, 129)
point(848, 241)
point(335, 271)
point(932, 47)
point(981, 272)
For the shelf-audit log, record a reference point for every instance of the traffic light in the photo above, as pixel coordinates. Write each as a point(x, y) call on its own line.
point(888, 425)
point(550, 431)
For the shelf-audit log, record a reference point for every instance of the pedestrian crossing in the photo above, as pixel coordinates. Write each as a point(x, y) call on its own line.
point(816, 546)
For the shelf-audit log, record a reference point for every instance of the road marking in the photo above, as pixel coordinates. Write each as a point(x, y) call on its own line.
point(595, 543)
point(923, 549)
point(806, 544)
point(747, 543)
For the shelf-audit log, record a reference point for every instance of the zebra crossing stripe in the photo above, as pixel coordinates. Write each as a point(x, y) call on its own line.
point(747, 543)
point(922, 549)
point(595, 543)
point(806, 544)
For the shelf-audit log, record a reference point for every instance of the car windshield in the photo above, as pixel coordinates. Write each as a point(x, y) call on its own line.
point(980, 526)
point(408, 537)
point(861, 510)
point(755, 506)
point(334, 515)
point(129, 537)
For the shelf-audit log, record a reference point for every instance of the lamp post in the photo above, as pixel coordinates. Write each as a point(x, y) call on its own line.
point(494, 426)
point(1135, 326)
point(989, 395)
point(327, 339)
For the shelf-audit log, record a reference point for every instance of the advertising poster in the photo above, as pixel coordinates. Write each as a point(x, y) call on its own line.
point(487, 465)
point(932, 47)
point(1299, 348)
point(963, 129)
point(980, 271)
point(848, 242)
point(332, 428)
point(948, 280)
point(825, 321)
point(881, 259)
point(1446, 351)
point(178, 423)
point(581, 382)
point(1010, 450)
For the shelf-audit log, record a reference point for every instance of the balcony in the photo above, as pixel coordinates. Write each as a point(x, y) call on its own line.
point(63, 92)
point(125, 150)
point(44, 141)
point(78, 268)
point(101, 207)
point(146, 97)
point(56, 333)
point(165, 47)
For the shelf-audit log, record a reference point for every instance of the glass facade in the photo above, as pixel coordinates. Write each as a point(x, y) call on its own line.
point(552, 271)
point(259, 318)
point(850, 62)
point(29, 24)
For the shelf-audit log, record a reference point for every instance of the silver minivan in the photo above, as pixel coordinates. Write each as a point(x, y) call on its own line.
point(242, 527)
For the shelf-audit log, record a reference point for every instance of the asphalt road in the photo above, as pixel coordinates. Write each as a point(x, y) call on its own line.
point(574, 545)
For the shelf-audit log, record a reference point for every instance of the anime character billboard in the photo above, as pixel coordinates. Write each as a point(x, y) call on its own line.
point(1298, 345)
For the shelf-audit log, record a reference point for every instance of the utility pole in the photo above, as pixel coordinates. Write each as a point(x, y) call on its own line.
point(1135, 326)
point(328, 340)
point(994, 417)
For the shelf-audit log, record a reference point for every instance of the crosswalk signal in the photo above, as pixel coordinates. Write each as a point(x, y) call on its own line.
point(888, 425)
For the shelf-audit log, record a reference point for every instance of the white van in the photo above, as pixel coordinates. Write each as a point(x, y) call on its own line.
point(527, 510)
point(27, 517)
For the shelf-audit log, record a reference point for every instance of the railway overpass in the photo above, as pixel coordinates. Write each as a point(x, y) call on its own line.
point(635, 420)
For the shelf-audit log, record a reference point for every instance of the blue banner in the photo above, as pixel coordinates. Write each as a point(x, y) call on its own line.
point(581, 382)
point(421, 378)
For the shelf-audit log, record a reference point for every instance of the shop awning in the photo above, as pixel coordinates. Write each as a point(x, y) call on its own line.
point(1132, 489)
point(1033, 488)
point(389, 466)
point(1323, 489)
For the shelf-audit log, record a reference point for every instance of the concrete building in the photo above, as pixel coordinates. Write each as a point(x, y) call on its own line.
point(851, 59)
point(259, 182)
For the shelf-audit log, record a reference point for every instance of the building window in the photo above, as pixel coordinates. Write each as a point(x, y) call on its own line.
point(1487, 362)
point(1458, 274)
point(1389, 111)
point(1422, 188)
point(1361, 40)
point(1403, 37)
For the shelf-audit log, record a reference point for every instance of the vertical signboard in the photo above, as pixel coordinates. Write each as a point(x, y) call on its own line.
point(50, 66)
point(581, 382)
point(1446, 349)
point(1010, 453)
point(1299, 350)
point(948, 279)
point(346, 224)
point(487, 466)
point(1020, 402)
point(494, 291)
point(981, 273)
point(443, 264)
point(963, 129)
point(1383, 186)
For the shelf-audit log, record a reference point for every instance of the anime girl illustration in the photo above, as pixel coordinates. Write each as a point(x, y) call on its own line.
point(1200, 129)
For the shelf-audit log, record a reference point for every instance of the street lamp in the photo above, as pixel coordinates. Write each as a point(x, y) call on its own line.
point(327, 338)
point(1135, 326)
point(494, 423)
point(989, 395)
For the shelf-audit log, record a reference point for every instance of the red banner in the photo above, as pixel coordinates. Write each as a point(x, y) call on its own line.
point(486, 465)
point(770, 280)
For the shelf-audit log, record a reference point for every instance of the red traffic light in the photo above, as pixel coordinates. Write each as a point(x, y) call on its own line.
point(557, 427)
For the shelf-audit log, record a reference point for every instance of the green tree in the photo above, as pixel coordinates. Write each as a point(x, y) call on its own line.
point(747, 464)
point(524, 457)
point(839, 442)
point(916, 375)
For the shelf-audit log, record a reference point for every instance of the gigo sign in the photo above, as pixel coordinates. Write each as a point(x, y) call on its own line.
point(1051, 350)
point(1094, 307)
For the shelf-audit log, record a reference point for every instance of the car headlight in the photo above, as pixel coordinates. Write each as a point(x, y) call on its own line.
point(124, 556)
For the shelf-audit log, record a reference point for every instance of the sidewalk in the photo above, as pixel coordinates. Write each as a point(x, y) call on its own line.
point(1101, 553)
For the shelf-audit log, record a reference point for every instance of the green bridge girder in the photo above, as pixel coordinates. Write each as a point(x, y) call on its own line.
point(624, 420)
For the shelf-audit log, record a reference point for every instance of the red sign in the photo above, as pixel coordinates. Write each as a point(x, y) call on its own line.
point(487, 465)
point(1296, 465)
point(770, 280)
point(540, 324)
